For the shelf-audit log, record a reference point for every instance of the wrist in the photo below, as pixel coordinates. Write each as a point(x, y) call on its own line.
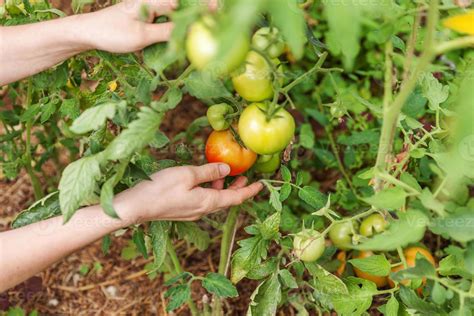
point(79, 32)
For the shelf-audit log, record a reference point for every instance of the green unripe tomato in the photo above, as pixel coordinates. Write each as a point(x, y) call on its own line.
point(308, 245)
point(269, 40)
point(216, 116)
point(372, 225)
point(263, 135)
point(341, 235)
point(202, 48)
point(267, 163)
point(255, 83)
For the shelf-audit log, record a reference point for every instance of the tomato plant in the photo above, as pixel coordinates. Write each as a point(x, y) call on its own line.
point(264, 132)
point(369, 121)
point(221, 146)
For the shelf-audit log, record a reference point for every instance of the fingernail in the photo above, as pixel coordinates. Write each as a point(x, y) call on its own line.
point(224, 169)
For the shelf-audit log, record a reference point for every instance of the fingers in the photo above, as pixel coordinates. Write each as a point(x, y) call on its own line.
point(218, 184)
point(209, 172)
point(158, 32)
point(240, 182)
point(232, 197)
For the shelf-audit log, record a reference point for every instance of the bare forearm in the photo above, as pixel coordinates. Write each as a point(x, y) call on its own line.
point(31, 48)
point(27, 251)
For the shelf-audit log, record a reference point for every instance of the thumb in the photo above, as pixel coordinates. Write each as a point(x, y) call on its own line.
point(210, 172)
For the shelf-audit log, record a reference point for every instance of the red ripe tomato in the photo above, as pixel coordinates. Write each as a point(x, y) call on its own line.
point(221, 146)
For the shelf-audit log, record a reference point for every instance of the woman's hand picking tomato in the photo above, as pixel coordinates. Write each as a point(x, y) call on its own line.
point(263, 134)
point(268, 163)
point(221, 146)
point(309, 245)
point(254, 84)
point(380, 281)
point(202, 47)
point(216, 116)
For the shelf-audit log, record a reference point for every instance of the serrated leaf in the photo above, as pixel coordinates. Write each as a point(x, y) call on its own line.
point(312, 196)
point(138, 134)
point(391, 308)
point(159, 239)
point(77, 184)
point(204, 86)
point(178, 295)
point(359, 299)
point(269, 229)
point(93, 118)
point(219, 285)
point(265, 298)
point(175, 95)
point(248, 256)
point(275, 199)
point(47, 111)
point(458, 225)
point(139, 240)
point(160, 140)
point(288, 279)
point(264, 269)
point(43, 209)
point(390, 198)
point(375, 265)
point(192, 233)
point(411, 300)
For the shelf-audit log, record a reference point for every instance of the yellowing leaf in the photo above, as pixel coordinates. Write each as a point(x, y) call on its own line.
point(462, 23)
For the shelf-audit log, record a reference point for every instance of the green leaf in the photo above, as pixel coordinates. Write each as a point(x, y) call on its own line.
point(430, 202)
point(390, 198)
point(159, 238)
point(269, 229)
point(421, 269)
point(264, 269)
point(178, 295)
point(105, 246)
point(409, 228)
point(78, 183)
point(359, 299)
point(438, 294)
point(458, 225)
point(411, 181)
point(219, 285)
point(312, 196)
point(45, 208)
point(326, 283)
point(265, 298)
point(275, 199)
point(375, 265)
point(287, 279)
point(139, 133)
point(95, 117)
point(248, 256)
point(412, 301)
point(192, 233)
point(307, 136)
point(175, 95)
point(289, 19)
point(360, 138)
point(139, 240)
point(285, 174)
point(285, 191)
point(204, 86)
point(47, 111)
point(107, 197)
point(344, 19)
point(30, 113)
point(70, 108)
point(434, 91)
point(160, 140)
point(391, 308)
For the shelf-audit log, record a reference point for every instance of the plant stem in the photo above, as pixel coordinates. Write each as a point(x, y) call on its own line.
point(227, 241)
point(306, 74)
point(392, 112)
point(178, 269)
point(28, 163)
point(454, 44)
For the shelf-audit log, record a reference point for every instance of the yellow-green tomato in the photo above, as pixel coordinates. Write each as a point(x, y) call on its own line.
point(341, 235)
point(308, 245)
point(268, 163)
point(372, 224)
point(202, 47)
point(216, 115)
point(269, 40)
point(254, 84)
point(263, 134)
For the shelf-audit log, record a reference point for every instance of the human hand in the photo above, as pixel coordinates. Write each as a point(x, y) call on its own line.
point(175, 194)
point(121, 28)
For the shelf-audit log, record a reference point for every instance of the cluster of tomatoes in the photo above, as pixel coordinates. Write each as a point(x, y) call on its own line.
point(309, 245)
point(256, 135)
